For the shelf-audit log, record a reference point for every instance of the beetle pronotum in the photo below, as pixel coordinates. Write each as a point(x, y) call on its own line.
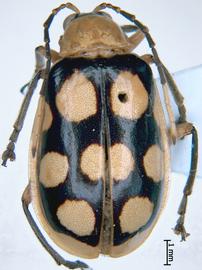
point(99, 150)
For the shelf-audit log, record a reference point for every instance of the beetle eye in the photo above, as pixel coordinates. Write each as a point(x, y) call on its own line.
point(123, 97)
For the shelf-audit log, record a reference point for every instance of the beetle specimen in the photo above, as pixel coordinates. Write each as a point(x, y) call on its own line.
point(99, 151)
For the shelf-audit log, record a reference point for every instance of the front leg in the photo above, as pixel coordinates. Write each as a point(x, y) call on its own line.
point(136, 39)
point(40, 57)
point(40, 53)
point(18, 125)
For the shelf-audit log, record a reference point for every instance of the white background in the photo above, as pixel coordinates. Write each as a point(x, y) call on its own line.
point(176, 28)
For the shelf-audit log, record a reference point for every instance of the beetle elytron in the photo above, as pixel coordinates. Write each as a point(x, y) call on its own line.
point(99, 151)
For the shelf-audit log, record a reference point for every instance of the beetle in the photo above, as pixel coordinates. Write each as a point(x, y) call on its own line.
point(99, 149)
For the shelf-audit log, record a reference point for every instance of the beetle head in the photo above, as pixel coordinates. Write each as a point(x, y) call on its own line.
point(91, 35)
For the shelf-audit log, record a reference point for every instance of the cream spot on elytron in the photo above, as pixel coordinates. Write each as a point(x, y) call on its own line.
point(121, 161)
point(53, 169)
point(92, 162)
point(129, 98)
point(77, 216)
point(76, 100)
point(153, 163)
point(135, 213)
point(48, 118)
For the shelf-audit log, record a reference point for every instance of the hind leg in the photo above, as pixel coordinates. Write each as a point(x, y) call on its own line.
point(26, 200)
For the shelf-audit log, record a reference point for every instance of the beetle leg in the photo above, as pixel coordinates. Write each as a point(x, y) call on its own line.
point(38, 74)
point(148, 58)
point(39, 67)
point(41, 52)
point(26, 200)
point(179, 99)
point(184, 129)
point(9, 152)
point(40, 57)
point(136, 38)
point(128, 28)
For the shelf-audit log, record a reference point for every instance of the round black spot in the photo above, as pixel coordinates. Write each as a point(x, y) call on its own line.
point(123, 97)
